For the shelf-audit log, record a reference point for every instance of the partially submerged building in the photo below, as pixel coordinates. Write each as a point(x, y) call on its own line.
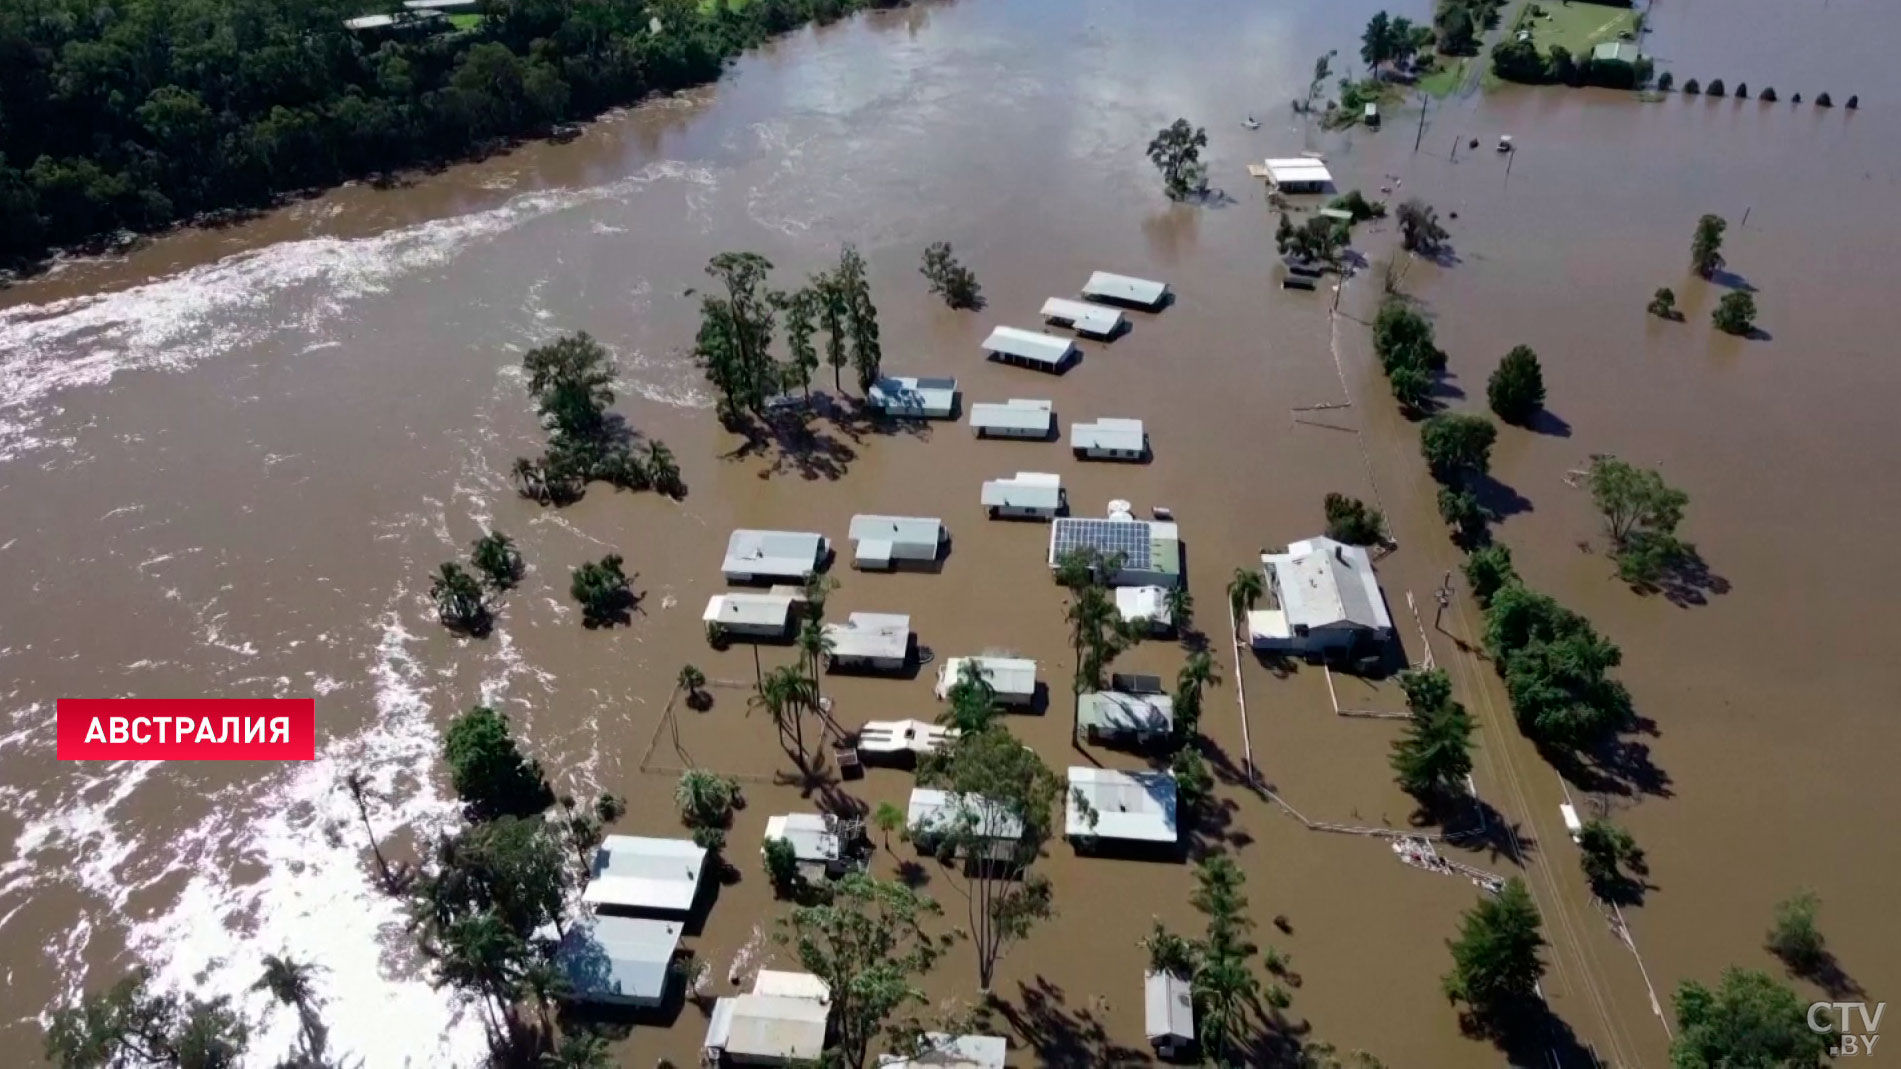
point(913, 398)
point(885, 542)
point(823, 844)
point(765, 556)
point(1015, 418)
point(934, 814)
point(1299, 174)
point(941, 1050)
point(1027, 348)
point(1112, 288)
point(1025, 495)
point(1168, 1005)
point(1130, 719)
point(624, 961)
point(1109, 438)
point(1146, 605)
point(870, 641)
point(1134, 808)
point(1012, 679)
point(750, 615)
point(650, 875)
point(1083, 317)
point(1148, 552)
point(1326, 602)
point(781, 1021)
point(894, 738)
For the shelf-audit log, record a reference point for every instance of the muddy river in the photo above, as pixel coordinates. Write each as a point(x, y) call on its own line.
point(229, 461)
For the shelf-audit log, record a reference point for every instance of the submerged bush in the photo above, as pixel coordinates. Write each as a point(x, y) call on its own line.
point(1665, 81)
point(1824, 102)
point(1691, 87)
point(1716, 87)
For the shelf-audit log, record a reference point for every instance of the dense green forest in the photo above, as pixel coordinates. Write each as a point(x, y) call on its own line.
point(135, 114)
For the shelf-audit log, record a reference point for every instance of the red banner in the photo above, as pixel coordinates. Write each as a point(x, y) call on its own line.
point(187, 729)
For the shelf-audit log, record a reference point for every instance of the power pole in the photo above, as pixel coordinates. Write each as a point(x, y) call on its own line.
point(1423, 101)
point(1444, 596)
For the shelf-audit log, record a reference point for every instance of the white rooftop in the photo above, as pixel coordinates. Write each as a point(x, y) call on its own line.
point(618, 959)
point(941, 1050)
point(899, 736)
point(905, 392)
point(901, 530)
point(1015, 414)
point(810, 834)
point(791, 554)
point(1143, 603)
point(1140, 714)
point(1109, 432)
point(1008, 676)
point(1168, 1006)
point(1137, 806)
point(1025, 489)
point(1110, 286)
point(1324, 583)
point(1298, 169)
point(642, 873)
point(878, 635)
point(1045, 349)
point(937, 810)
point(1085, 317)
point(781, 1020)
point(740, 609)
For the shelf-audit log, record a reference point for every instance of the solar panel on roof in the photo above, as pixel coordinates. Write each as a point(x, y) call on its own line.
point(1126, 537)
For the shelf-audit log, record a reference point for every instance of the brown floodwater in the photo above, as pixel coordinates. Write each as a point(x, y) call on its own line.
point(229, 460)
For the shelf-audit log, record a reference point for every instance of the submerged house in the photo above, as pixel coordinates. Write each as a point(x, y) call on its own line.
point(1148, 552)
point(1012, 679)
point(1327, 602)
point(1130, 808)
point(766, 556)
point(1083, 317)
point(1147, 605)
point(885, 542)
point(635, 872)
point(1132, 719)
point(1027, 348)
point(781, 1021)
point(1026, 495)
point(941, 1050)
point(750, 615)
point(1112, 288)
point(870, 641)
point(933, 814)
point(1168, 1004)
point(1299, 174)
point(1015, 418)
point(913, 398)
point(1109, 438)
point(901, 738)
point(625, 961)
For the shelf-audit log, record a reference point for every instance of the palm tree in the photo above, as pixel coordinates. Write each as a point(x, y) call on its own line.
point(545, 983)
point(359, 788)
point(602, 589)
point(972, 699)
point(889, 818)
point(1181, 608)
point(1435, 755)
point(496, 557)
point(691, 680)
point(1223, 987)
point(531, 480)
point(785, 693)
point(814, 645)
point(289, 982)
point(1244, 590)
point(662, 471)
point(459, 601)
point(578, 1050)
point(705, 798)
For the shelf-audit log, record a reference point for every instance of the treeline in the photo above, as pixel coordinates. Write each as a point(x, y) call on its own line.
point(140, 114)
point(1521, 61)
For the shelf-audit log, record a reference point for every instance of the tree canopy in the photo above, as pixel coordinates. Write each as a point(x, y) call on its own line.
point(949, 279)
point(1735, 313)
point(1706, 256)
point(1641, 513)
point(1555, 666)
point(1352, 521)
point(129, 1026)
point(1517, 386)
point(488, 770)
point(1176, 152)
point(1497, 959)
point(1749, 1021)
point(1457, 446)
point(1419, 229)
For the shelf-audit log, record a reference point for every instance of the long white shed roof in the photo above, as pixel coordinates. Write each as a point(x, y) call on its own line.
point(1085, 317)
point(934, 810)
point(1046, 349)
point(1109, 432)
point(741, 609)
point(1141, 714)
point(941, 1050)
point(783, 553)
point(876, 635)
point(898, 530)
point(1148, 603)
point(905, 392)
point(1168, 1006)
point(782, 1018)
point(1008, 676)
point(811, 835)
point(1107, 285)
point(1138, 806)
point(1016, 414)
point(1026, 489)
point(642, 873)
point(1298, 169)
point(618, 959)
point(898, 736)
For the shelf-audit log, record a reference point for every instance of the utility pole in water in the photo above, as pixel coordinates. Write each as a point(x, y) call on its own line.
point(1423, 101)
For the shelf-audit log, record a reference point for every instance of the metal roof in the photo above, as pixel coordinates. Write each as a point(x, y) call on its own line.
point(1143, 603)
point(810, 834)
point(872, 635)
point(1136, 714)
point(1026, 489)
point(1138, 806)
point(897, 736)
point(1298, 169)
point(937, 396)
point(934, 810)
point(1046, 349)
point(941, 1050)
point(748, 610)
point(1110, 286)
point(1324, 583)
point(1085, 317)
point(1008, 676)
point(791, 554)
point(618, 959)
point(1168, 1006)
point(916, 531)
point(1109, 432)
point(642, 873)
point(1015, 414)
point(782, 1018)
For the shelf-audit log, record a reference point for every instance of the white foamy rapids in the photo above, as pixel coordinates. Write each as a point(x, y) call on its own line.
point(176, 322)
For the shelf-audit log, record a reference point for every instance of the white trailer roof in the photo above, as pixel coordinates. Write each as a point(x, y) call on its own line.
point(783, 553)
point(899, 736)
point(642, 873)
point(748, 610)
point(1008, 676)
point(1026, 489)
point(877, 635)
point(1137, 806)
point(810, 834)
point(1109, 432)
point(1168, 1006)
point(1016, 414)
point(898, 530)
point(1046, 349)
point(1140, 714)
point(941, 1050)
point(1143, 603)
point(1086, 317)
point(782, 1018)
point(936, 810)
point(1110, 286)
point(928, 395)
point(618, 959)
point(1298, 169)
point(1324, 583)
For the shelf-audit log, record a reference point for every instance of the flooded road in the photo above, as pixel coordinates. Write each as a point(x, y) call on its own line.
point(229, 462)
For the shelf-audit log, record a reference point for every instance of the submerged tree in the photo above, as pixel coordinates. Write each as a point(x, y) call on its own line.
point(490, 774)
point(1176, 152)
point(1224, 983)
point(973, 701)
point(1487, 569)
point(129, 1026)
point(1419, 229)
point(1097, 631)
point(1604, 851)
point(1457, 446)
point(1434, 756)
point(358, 787)
point(1735, 313)
point(495, 556)
point(1641, 513)
point(949, 279)
point(861, 317)
point(1496, 961)
point(1517, 386)
point(1663, 303)
point(291, 983)
point(1706, 255)
point(736, 334)
point(460, 603)
point(1748, 1022)
point(1795, 938)
point(603, 591)
point(1350, 520)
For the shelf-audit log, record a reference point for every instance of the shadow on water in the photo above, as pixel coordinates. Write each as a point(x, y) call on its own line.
point(1545, 421)
point(1531, 1035)
point(1620, 766)
point(1473, 824)
point(1826, 972)
point(1063, 1037)
point(1732, 281)
point(1686, 581)
point(1498, 499)
point(814, 438)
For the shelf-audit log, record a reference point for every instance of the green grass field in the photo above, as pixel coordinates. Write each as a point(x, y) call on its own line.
point(1447, 78)
point(465, 21)
point(1578, 26)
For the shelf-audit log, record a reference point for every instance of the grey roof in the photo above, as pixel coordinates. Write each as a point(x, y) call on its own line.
point(1025, 489)
point(1168, 1006)
point(810, 834)
point(933, 810)
point(1085, 317)
point(1014, 414)
point(941, 1050)
point(741, 609)
point(906, 393)
point(782, 1019)
point(871, 635)
point(1111, 433)
point(913, 531)
point(1324, 583)
point(644, 873)
point(1135, 714)
point(1130, 806)
point(1111, 286)
point(618, 959)
point(1046, 349)
point(1622, 51)
point(790, 554)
